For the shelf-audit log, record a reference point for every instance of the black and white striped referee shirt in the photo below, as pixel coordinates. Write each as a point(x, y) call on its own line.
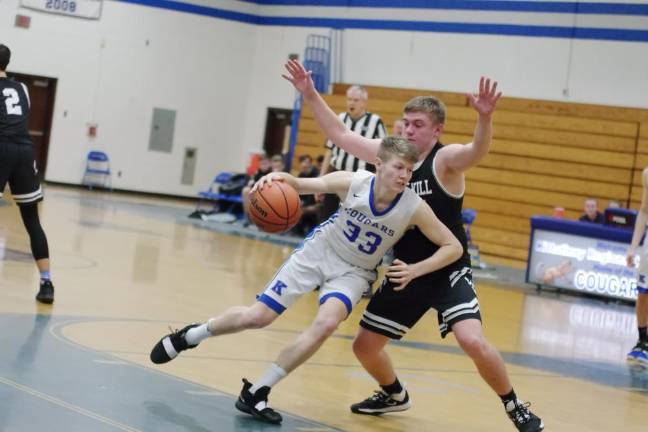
point(369, 125)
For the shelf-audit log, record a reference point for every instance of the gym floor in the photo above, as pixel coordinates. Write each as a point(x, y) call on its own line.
point(127, 267)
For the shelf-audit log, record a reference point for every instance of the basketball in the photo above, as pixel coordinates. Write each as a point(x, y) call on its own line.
point(276, 208)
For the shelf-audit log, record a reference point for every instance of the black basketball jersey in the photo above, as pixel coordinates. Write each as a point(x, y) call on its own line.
point(414, 246)
point(14, 112)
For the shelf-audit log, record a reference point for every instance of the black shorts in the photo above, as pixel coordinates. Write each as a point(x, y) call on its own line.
point(450, 292)
point(18, 167)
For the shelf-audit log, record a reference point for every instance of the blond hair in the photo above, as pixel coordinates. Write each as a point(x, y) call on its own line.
point(396, 146)
point(431, 105)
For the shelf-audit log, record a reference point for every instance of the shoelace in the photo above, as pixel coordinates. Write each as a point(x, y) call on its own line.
point(520, 413)
point(379, 396)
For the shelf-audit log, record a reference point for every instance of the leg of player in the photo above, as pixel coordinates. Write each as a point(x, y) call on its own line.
point(392, 396)
point(233, 320)
point(40, 250)
point(491, 367)
point(254, 397)
point(639, 353)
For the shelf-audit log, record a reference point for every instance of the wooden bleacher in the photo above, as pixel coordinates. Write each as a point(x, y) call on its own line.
point(544, 154)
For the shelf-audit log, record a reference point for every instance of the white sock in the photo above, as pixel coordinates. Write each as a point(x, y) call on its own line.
point(195, 335)
point(272, 376)
point(400, 397)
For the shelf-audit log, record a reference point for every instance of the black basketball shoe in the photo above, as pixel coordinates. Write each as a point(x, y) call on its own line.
point(171, 345)
point(257, 404)
point(46, 292)
point(381, 403)
point(523, 419)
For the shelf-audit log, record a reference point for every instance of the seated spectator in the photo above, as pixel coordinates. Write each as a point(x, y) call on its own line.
point(318, 163)
point(592, 214)
point(310, 205)
point(277, 163)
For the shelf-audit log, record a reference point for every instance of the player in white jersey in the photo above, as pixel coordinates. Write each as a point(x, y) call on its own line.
point(339, 256)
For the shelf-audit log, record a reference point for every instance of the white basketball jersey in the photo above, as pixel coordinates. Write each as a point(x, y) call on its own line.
point(361, 234)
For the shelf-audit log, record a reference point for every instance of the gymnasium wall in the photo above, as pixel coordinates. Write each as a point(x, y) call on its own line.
point(218, 62)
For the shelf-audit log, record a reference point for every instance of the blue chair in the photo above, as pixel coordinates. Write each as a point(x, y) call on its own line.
point(213, 194)
point(97, 170)
point(468, 216)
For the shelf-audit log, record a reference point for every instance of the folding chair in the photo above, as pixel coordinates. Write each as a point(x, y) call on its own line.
point(97, 170)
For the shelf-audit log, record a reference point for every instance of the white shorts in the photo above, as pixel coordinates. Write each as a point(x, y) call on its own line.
point(311, 265)
point(642, 271)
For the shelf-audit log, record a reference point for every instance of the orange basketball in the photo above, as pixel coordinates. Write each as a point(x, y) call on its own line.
point(275, 208)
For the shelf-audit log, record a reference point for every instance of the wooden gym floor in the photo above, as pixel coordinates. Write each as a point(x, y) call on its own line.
point(127, 267)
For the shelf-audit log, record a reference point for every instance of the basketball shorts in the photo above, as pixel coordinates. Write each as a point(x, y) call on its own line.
point(642, 271)
point(311, 265)
point(450, 292)
point(18, 168)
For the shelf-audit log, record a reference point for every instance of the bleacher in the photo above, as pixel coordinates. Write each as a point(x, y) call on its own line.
point(544, 154)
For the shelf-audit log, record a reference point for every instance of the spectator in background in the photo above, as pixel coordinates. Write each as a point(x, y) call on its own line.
point(360, 121)
point(398, 128)
point(319, 161)
point(640, 351)
point(277, 163)
point(592, 214)
point(310, 206)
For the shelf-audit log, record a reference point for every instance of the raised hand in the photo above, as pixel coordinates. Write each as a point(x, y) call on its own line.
point(299, 77)
point(484, 102)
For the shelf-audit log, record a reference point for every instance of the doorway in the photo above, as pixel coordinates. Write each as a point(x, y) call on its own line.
point(277, 131)
point(42, 91)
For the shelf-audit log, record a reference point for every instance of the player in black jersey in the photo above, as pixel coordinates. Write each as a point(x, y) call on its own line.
point(438, 178)
point(18, 168)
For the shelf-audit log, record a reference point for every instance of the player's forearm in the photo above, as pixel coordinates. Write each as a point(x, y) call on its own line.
point(359, 146)
point(327, 120)
point(482, 138)
point(444, 256)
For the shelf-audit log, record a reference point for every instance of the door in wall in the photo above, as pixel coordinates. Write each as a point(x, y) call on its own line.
point(277, 131)
point(42, 91)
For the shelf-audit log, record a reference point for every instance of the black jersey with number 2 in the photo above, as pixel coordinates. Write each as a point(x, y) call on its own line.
point(14, 112)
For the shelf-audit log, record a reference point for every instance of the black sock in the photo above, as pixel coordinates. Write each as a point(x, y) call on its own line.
point(508, 397)
point(393, 388)
point(643, 334)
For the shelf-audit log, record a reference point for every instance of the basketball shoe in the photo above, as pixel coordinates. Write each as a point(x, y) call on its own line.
point(523, 419)
point(171, 345)
point(256, 404)
point(639, 353)
point(381, 403)
point(46, 292)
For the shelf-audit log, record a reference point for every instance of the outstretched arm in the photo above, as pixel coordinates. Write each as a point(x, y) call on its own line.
point(640, 223)
point(449, 250)
point(359, 146)
point(459, 158)
point(337, 183)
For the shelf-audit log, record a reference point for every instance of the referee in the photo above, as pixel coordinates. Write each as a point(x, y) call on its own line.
point(360, 121)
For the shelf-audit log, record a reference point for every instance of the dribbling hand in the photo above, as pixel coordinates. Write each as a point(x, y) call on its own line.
point(266, 180)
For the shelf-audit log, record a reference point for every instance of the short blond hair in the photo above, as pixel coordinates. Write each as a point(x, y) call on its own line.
point(430, 105)
point(396, 146)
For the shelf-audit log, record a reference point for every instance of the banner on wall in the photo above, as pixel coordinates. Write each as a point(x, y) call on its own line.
point(90, 9)
point(578, 263)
